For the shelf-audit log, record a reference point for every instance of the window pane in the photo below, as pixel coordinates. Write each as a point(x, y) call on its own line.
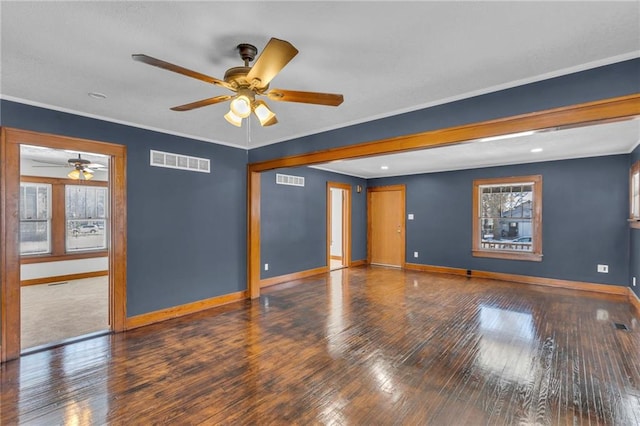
point(506, 217)
point(35, 223)
point(86, 208)
point(34, 237)
point(86, 235)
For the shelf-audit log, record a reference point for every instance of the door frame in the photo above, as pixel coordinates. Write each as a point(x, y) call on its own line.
point(403, 208)
point(10, 141)
point(583, 113)
point(346, 222)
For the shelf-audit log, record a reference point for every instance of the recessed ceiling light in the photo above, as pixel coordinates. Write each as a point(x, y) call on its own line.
point(97, 95)
point(384, 167)
point(536, 150)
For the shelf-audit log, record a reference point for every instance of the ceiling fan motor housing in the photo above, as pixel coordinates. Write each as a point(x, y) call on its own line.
point(247, 52)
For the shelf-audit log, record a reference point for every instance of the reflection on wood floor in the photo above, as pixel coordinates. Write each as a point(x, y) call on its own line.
point(361, 346)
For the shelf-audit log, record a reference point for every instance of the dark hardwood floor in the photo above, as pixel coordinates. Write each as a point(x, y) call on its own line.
point(366, 346)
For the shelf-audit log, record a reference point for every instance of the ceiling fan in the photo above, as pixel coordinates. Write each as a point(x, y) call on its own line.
point(248, 82)
point(83, 169)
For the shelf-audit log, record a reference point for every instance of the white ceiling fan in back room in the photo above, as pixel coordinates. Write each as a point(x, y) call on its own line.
point(82, 169)
point(250, 82)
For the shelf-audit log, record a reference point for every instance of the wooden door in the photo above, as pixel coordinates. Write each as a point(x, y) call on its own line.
point(386, 227)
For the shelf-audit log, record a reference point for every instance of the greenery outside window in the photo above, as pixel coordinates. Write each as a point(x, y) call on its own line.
point(507, 218)
point(634, 195)
point(35, 218)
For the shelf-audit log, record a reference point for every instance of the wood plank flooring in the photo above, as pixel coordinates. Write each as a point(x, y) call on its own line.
point(364, 346)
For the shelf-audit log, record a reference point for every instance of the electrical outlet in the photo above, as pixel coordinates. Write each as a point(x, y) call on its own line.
point(410, 216)
point(603, 269)
point(415, 254)
point(266, 266)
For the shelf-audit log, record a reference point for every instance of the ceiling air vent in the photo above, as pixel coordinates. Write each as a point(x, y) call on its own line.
point(289, 180)
point(179, 161)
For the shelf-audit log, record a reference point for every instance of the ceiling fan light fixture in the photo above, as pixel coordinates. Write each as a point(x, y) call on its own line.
point(233, 118)
point(264, 114)
point(241, 106)
point(80, 174)
point(74, 174)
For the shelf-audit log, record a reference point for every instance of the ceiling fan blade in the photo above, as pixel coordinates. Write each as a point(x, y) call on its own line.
point(275, 55)
point(201, 103)
point(180, 70)
point(97, 166)
point(51, 164)
point(329, 99)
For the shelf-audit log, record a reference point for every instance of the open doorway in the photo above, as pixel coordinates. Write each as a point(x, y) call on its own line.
point(338, 225)
point(64, 242)
point(27, 216)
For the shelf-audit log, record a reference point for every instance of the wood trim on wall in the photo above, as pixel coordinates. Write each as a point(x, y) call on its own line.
point(435, 269)
point(360, 262)
point(524, 279)
point(293, 276)
point(634, 300)
point(586, 113)
point(9, 250)
point(62, 181)
point(27, 260)
point(181, 310)
point(536, 223)
point(253, 234)
point(60, 278)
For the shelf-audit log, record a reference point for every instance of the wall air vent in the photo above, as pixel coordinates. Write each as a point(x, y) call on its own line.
point(289, 180)
point(179, 161)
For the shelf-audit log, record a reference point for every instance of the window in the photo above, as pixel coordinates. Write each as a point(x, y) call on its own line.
point(634, 195)
point(86, 218)
point(35, 218)
point(61, 219)
point(507, 218)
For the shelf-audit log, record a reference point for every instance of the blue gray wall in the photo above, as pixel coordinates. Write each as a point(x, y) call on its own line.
point(200, 251)
point(186, 230)
point(584, 203)
point(618, 79)
point(635, 240)
point(293, 223)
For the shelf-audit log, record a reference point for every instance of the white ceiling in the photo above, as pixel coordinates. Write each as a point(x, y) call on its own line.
point(384, 57)
point(588, 141)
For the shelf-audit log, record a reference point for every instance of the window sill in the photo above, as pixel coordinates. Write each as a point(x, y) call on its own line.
point(42, 258)
point(634, 224)
point(495, 254)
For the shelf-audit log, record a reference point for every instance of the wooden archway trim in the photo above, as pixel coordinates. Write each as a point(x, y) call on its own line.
point(10, 141)
point(581, 114)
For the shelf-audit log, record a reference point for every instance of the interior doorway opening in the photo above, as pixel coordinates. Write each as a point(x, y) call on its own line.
point(338, 225)
point(64, 245)
point(109, 249)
